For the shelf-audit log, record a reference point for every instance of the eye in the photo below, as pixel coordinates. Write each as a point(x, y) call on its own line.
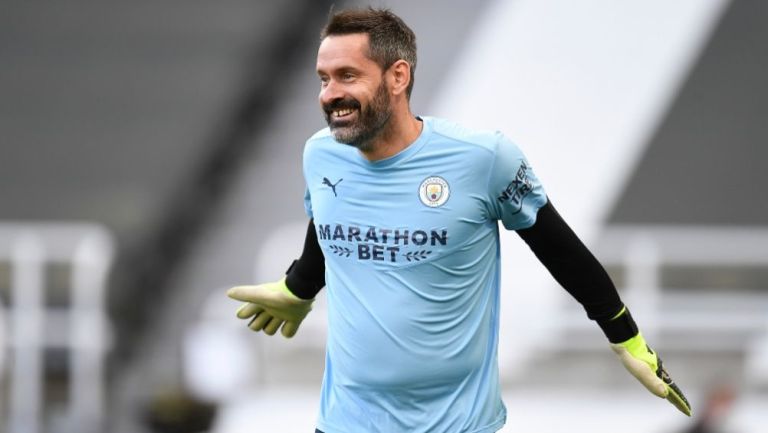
point(347, 76)
point(324, 80)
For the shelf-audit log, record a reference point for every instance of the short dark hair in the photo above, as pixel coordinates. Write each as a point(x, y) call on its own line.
point(390, 39)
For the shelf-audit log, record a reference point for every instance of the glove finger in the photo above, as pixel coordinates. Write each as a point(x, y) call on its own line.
point(677, 398)
point(248, 309)
point(273, 326)
point(675, 395)
point(258, 322)
point(642, 372)
point(652, 383)
point(247, 293)
point(290, 328)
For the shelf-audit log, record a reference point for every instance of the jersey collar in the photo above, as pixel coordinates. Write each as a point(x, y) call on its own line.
point(405, 154)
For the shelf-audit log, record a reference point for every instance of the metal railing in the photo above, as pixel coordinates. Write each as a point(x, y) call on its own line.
point(80, 327)
point(731, 318)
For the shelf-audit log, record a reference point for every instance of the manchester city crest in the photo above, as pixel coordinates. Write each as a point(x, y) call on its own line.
point(434, 191)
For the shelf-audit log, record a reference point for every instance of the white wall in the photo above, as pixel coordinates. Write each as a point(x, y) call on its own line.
point(579, 86)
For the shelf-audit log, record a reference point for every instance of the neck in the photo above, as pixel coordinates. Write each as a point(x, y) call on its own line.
point(402, 129)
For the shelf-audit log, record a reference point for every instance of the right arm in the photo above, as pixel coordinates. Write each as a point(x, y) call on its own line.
point(306, 276)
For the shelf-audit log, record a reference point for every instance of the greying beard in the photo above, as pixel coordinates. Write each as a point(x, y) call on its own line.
point(370, 124)
point(365, 140)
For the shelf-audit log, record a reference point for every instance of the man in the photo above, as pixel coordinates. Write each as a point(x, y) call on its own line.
point(403, 230)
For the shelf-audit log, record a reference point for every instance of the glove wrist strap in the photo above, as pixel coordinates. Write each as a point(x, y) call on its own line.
point(620, 328)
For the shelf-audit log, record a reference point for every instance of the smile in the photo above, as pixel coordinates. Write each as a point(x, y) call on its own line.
point(343, 113)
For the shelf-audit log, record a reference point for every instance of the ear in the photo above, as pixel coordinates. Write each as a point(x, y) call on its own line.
point(400, 75)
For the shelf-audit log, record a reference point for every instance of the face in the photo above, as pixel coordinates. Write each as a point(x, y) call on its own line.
point(353, 95)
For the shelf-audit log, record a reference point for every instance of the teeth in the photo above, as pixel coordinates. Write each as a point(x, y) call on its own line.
point(344, 112)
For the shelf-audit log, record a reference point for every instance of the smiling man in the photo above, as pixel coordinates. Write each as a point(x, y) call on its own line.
point(365, 87)
point(408, 247)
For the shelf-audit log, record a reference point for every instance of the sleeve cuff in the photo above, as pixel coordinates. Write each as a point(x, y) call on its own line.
point(619, 329)
point(301, 287)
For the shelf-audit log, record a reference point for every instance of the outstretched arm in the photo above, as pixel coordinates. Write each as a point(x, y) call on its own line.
point(576, 269)
point(573, 266)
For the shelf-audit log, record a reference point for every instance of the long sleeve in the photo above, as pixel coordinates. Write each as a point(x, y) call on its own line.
point(306, 276)
point(576, 269)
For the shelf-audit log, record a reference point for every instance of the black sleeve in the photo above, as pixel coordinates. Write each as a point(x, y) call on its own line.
point(306, 276)
point(575, 268)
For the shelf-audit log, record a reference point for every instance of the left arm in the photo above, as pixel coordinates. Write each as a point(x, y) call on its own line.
point(576, 269)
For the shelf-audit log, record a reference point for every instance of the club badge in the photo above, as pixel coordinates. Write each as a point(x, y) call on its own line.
point(434, 191)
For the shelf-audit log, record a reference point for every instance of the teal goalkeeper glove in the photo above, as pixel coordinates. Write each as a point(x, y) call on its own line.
point(643, 363)
point(271, 305)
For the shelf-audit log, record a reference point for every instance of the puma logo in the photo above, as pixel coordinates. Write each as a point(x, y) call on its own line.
point(332, 185)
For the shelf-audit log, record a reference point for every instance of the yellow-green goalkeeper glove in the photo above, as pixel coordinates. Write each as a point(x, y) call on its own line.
point(643, 363)
point(271, 306)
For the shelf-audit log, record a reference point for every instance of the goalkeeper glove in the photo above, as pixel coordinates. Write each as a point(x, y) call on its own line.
point(271, 305)
point(643, 363)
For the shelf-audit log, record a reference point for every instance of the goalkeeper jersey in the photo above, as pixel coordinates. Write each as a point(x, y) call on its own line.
point(411, 247)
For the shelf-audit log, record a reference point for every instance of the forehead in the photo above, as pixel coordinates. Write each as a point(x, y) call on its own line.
point(344, 51)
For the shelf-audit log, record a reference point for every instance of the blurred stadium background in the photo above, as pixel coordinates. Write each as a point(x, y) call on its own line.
point(151, 159)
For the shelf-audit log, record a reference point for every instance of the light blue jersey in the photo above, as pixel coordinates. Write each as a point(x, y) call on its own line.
point(411, 248)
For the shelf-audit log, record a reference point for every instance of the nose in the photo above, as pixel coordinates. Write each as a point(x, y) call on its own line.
point(330, 92)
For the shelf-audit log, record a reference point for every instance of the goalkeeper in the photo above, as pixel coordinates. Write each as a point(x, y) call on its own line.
point(403, 231)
